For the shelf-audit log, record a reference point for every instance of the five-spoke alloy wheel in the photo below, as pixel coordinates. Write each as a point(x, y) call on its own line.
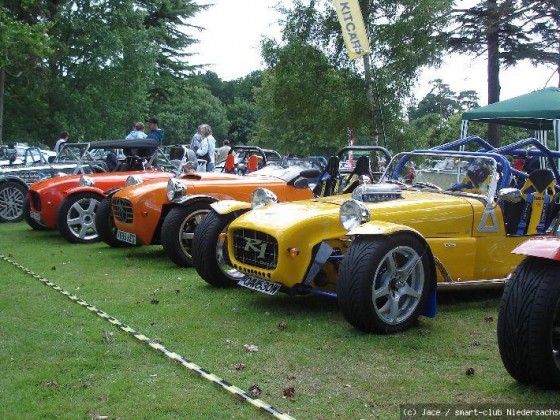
point(76, 217)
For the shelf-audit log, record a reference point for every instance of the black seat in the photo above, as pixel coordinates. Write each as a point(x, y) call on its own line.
point(329, 178)
point(177, 153)
point(537, 208)
point(360, 175)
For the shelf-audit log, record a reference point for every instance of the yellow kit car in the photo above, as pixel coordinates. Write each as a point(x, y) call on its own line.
point(385, 249)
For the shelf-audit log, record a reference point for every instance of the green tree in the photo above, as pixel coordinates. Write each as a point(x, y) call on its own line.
point(403, 35)
point(441, 100)
point(543, 19)
point(243, 119)
point(22, 44)
point(305, 103)
point(508, 31)
point(111, 63)
point(185, 111)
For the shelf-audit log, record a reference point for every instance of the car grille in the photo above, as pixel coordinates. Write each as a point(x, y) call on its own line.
point(255, 248)
point(122, 210)
point(36, 200)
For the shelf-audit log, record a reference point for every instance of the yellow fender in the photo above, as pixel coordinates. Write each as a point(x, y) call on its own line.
point(383, 228)
point(230, 206)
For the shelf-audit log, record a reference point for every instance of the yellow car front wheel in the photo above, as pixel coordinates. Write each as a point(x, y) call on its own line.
point(383, 282)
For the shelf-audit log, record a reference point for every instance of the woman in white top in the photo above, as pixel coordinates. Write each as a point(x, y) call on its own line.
point(207, 147)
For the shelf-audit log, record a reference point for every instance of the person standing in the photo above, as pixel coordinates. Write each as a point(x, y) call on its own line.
point(207, 148)
point(195, 140)
point(63, 139)
point(222, 152)
point(137, 133)
point(155, 132)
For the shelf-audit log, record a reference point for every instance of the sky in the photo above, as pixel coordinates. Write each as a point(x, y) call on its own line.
point(234, 28)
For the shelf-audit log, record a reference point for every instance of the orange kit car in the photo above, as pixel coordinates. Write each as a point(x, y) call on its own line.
point(168, 212)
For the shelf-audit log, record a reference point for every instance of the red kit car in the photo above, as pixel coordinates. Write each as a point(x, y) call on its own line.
point(69, 203)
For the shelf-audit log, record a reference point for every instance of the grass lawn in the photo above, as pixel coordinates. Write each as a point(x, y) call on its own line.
point(60, 360)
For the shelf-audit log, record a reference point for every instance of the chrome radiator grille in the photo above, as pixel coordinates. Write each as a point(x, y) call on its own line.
point(255, 248)
point(122, 210)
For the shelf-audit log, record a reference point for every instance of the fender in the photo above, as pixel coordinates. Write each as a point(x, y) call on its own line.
point(543, 247)
point(187, 200)
point(224, 207)
point(80, 189)
point(112, 191)
point(6, 178)
point(385, 229)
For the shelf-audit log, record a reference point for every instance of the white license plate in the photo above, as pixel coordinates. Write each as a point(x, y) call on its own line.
point(259, 285)
point(35, 215)
point(129, 238)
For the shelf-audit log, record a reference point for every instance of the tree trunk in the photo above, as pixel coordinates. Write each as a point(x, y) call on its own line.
point(492, 28)
point(369, 87)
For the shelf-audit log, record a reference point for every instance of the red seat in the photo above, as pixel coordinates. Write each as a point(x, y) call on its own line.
point(252, 163)
point(229, 165)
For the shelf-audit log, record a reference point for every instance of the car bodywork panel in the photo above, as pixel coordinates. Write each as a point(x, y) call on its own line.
point(545, 247)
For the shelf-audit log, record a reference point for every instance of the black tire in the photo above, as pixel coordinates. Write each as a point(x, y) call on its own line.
point(35, 224)
point(364, 269)
point(209, 252)
point(529, 323)
point(105, 225)
point(177, 231)
point(12, 201)
point(76, 217)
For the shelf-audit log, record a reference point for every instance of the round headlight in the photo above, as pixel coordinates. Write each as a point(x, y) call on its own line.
point(353, 213)
point(175, 189)
point(263, 197)
point(86, 181)
point(133, 180)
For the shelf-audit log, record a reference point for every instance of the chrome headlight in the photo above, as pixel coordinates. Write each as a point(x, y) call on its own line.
point(86, 181)
point(133, 180)
point(263, 197)
point(353, 213)
point(175, 189)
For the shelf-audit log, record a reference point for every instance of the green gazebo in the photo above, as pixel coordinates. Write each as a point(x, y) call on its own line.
point(539, 111)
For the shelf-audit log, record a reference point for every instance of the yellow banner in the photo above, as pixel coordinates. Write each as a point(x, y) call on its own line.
point(353, 29)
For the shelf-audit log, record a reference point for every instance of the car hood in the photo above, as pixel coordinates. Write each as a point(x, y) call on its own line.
point(433, 214)
point(197, 183)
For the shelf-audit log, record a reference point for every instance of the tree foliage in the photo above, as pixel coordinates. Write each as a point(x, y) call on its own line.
point(507, 31)
point(305, 103)
point(403, 37)
point(111, 63)
point(442, 101)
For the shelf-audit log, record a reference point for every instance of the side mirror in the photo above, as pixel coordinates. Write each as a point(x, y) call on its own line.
point(511, 195)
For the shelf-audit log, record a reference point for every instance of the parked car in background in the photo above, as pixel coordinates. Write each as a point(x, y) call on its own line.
point(70, 203)
point(385, 249)
point(21, 153)
point(17, 172)
point(529, 316)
